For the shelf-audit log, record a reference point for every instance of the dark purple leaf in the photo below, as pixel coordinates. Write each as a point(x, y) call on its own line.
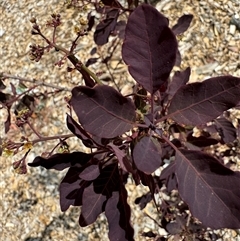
point(77, 130)
point(96, 195)
point(211, 190)
point(182, 24)
point(91, 61)
point(93, 51)
point(178, 59)
point(149, 234)
point(62, 161)
point(91, 21)
point(226, 130)
point(198, 103)
point(102, 110)
point(147, 155)
point(104, 28)
point(149, 48)
point(90, 173)
point(144, 200)
point(71, 189)
point(118, 212)
point(201, 141)
point(92, 206)
point(120, 28)
point(179, 79)
point(169, 177)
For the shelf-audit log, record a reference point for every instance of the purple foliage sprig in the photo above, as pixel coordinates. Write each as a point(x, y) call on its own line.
point(151, 131)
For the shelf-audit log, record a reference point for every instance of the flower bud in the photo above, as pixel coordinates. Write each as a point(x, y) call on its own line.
point(34, 32)
point(16, 164)
point(83, 21)
point(33, 20)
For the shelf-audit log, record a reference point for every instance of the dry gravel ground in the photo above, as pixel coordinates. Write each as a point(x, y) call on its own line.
point(29, 204)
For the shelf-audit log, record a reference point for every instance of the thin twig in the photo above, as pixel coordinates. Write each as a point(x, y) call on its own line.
point(52, 138)
point(33, 129)
point(74, 43)
point(3, 75)
point(59, 143)
point(154, 220)
point(11, 101)
point(76, 62)
point(17, 145)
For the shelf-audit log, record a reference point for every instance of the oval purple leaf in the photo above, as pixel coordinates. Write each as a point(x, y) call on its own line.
point(71, 189)
point(182, 24)
point(211, 190)
point(118, 214)
point(179, 79)
point(226, 130)
point(150, 47)
point(61, 161)
point(198, 103)
point(147, 155)
point(105, 27)
point(102, 110)
point(90, 173)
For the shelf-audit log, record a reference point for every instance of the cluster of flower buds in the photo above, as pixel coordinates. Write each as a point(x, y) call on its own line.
point(55, 21)
point(35, 27)
point(36, 52)
point(22, 116)
point(9, 149)
point(79, 31)
point(20, 166)
point(64, 148)
point(61, 62)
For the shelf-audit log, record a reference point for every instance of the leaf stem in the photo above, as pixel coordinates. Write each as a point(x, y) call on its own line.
point(82, 68)
point(42, 138)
